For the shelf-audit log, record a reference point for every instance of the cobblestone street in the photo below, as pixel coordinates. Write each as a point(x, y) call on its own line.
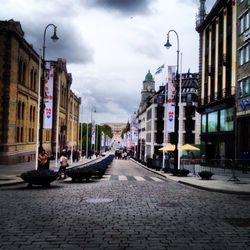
point(122, 213)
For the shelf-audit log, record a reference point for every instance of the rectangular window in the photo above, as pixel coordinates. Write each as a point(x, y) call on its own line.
point(244, 22)
point(203, 123)
point(244, 54)
point(149, 114)
point(212, 122)
point(227, 119)
point(244, 87)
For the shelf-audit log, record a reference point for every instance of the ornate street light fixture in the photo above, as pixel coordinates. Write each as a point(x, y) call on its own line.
point(177, 134)
point(54, 37)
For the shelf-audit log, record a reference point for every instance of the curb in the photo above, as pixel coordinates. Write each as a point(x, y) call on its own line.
point(194, 185)
point(224, 191)
point(11, 182)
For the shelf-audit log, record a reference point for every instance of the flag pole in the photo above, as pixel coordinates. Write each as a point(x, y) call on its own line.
point(180, 115)
point(38, 111)
point(58, 114)
point(164, 119)
point(72, 130)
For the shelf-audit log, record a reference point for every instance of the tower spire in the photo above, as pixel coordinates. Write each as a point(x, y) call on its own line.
point(202, 12)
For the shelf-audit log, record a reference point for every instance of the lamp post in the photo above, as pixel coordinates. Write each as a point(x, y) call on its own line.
point(93, 109)
point(177, 107)
point(54, 37)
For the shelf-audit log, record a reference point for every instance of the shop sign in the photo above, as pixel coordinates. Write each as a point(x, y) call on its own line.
point(244, 103)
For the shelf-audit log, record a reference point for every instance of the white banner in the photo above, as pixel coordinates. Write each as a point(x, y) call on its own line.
point(93, 133)
point(48, 95)
point(102, 140)
point(171, 85)
point(134, 129)
point(170, 118)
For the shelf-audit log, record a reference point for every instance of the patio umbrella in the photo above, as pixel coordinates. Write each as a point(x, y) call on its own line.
point(168, 147)
point(189, 147)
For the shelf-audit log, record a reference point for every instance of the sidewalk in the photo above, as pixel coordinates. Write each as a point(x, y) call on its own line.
point(9, 174)
point(221, 181)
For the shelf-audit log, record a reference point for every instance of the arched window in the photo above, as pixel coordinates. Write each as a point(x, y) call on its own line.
point(32, 79)
point(21, 139)
point(24, 73)
point(29, 134)
point(19, 110)
point(34, 114)
point(31, 113)
point(33, 134)
point(23, 107)
point(20, 68)
point(17, 134)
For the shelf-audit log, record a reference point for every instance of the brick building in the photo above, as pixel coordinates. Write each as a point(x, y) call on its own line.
point(19, 79)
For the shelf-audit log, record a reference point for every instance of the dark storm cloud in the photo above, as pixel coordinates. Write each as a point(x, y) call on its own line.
point(70, 45)
point(129, 7)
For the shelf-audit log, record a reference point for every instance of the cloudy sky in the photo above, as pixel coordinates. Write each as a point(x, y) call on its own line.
point(110, 45)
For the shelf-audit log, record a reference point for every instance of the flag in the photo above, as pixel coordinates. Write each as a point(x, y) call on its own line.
point(159, 70)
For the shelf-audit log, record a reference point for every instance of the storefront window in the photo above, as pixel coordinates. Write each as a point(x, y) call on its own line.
point(213, 122)
point(203, 123)
point(226, 120)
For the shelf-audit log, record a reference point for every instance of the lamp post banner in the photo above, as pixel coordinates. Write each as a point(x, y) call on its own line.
point(48, 95)
point(134, 129)
point(170, 118)
point(102, 140)
point(93, 133)
point(171, 85)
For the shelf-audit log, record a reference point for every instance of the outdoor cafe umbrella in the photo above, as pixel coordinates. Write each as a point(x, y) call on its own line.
point(168, 147)
point(189, 147)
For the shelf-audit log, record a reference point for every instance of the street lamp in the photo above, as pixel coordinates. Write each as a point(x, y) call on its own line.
point(54, 37)
point(93, 109)
point(177, 107)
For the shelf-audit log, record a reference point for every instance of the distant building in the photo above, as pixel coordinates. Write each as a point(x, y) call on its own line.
point(19, 78)
point(151, 116)
point(145, 124)
point(117, 131)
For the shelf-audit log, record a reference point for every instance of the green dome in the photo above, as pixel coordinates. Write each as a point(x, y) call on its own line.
point(149, 76)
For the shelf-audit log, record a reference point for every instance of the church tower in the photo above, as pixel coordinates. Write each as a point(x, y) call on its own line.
point(148, 89)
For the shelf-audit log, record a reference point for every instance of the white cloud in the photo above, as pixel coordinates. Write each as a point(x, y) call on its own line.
point(109, 46)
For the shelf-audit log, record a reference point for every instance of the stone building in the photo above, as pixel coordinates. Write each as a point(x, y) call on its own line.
point(145, 122)
point(19, 80)
point(218, 77)
point(243, 78)
point(117, 131)
point(150, 116)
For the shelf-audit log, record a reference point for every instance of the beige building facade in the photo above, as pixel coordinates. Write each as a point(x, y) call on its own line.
point(19, 80)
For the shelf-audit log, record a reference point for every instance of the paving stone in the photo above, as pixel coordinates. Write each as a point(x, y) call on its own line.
point(61, 218)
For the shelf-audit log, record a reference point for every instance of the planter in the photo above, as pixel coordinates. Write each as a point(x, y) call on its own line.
point(180, 172)
point(167, 170)
point(39, 177)
point(205, 175)
point(80, 174)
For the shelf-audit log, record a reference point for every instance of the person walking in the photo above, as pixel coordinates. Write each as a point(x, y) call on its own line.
point(63, 165)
